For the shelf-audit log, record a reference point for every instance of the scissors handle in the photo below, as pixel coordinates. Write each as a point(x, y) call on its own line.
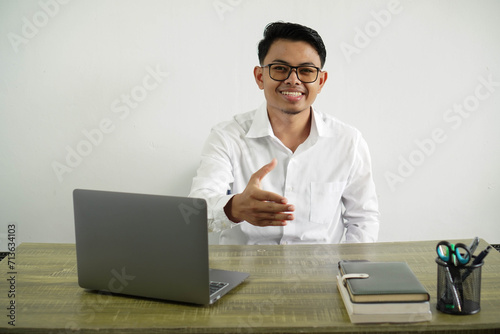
point(444, 250)
point(453, 254)
point(463, 253)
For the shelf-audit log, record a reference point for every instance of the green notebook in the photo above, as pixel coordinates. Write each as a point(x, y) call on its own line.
point(387, 282)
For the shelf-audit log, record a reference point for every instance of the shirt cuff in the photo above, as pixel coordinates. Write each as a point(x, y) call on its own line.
point(217, 219)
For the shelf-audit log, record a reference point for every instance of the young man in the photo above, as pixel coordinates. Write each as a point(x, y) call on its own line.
point(287, 173)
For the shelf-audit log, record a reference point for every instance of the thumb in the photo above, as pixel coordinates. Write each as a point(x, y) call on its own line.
point(259, 175)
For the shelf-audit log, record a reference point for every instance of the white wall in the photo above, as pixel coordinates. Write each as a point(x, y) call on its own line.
point(399, 71)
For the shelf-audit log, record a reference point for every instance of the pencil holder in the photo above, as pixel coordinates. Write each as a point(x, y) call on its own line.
point(458, 288)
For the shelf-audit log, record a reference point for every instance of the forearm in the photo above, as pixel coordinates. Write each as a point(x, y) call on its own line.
point(363, 229)
point(213, 181)
point(361, 214)
point(217, 219)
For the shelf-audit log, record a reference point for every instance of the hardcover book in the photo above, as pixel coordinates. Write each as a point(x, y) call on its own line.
point(384, 312)
point(387, 282)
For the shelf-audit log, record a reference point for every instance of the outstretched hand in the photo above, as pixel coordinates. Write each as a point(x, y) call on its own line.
point(259, 207)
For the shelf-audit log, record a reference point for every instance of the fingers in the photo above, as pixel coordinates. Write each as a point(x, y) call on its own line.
point(259, 207)
point(267, 209)
point(267, 196)
point(271, 218)
point(273, 211)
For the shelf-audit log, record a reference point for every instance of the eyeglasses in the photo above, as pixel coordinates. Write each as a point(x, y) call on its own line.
point(281, 72)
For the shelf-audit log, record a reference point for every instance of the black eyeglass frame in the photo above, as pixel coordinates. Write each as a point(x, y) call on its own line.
point(318, 70)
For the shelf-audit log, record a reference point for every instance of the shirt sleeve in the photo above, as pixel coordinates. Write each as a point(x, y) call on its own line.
point(361, 215)
point(213, 181)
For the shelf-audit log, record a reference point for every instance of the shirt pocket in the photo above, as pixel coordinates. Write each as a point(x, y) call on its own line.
point(325, 200)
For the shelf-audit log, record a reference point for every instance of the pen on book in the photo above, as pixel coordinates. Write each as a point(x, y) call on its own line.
point(481, 256)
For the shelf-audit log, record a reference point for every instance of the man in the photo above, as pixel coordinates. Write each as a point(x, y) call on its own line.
point(287, 173)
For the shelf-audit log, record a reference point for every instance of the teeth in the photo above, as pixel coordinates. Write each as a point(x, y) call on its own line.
point(292, 93)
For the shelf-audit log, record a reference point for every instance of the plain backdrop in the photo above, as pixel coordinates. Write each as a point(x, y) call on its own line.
point(121, 95)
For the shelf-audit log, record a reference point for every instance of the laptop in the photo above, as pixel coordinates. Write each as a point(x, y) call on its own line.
point(147, 246)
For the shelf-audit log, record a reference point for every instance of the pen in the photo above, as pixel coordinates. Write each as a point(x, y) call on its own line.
point(481, 256)
point(473, 245)
point(456, 296)
point(478, 260)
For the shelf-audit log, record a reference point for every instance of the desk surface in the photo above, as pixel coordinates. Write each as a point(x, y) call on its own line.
point(291, 289)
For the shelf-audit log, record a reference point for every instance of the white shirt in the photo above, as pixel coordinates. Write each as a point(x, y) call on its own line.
point(328, 179)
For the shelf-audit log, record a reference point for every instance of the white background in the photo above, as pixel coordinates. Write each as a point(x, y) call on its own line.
point(398, 71)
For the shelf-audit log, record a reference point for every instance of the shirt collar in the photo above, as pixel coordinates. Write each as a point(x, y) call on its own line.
point(261, 126)
point(319, 124)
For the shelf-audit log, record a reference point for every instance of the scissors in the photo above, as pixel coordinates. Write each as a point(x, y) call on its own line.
point(453, 254)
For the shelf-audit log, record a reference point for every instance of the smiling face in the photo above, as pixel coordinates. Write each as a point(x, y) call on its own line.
point(290, 96)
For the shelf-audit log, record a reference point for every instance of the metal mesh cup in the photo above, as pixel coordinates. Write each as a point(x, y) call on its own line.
point(458, 288)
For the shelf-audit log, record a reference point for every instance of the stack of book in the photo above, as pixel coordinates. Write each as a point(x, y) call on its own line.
point(389, 292)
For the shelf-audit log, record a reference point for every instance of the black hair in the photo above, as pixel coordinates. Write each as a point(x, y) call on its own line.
point(293, 32)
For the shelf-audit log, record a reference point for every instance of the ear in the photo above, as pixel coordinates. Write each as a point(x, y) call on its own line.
point(258, 73)
point(322, 79)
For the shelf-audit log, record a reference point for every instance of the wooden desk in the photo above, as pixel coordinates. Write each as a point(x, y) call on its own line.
point(291, 289)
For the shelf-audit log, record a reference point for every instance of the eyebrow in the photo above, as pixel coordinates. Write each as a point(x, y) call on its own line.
point(287, 63)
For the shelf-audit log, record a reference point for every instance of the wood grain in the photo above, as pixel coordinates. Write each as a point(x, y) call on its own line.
point(291, 289)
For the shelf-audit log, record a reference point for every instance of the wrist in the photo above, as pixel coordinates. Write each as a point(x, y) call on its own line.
point(228, 210)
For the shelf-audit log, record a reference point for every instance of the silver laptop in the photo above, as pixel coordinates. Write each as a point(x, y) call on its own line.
point(147, 245)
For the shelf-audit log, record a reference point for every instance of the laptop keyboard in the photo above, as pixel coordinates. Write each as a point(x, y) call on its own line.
point(217, 286)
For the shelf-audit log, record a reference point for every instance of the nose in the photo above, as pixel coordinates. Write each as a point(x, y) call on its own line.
point(293, 78)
